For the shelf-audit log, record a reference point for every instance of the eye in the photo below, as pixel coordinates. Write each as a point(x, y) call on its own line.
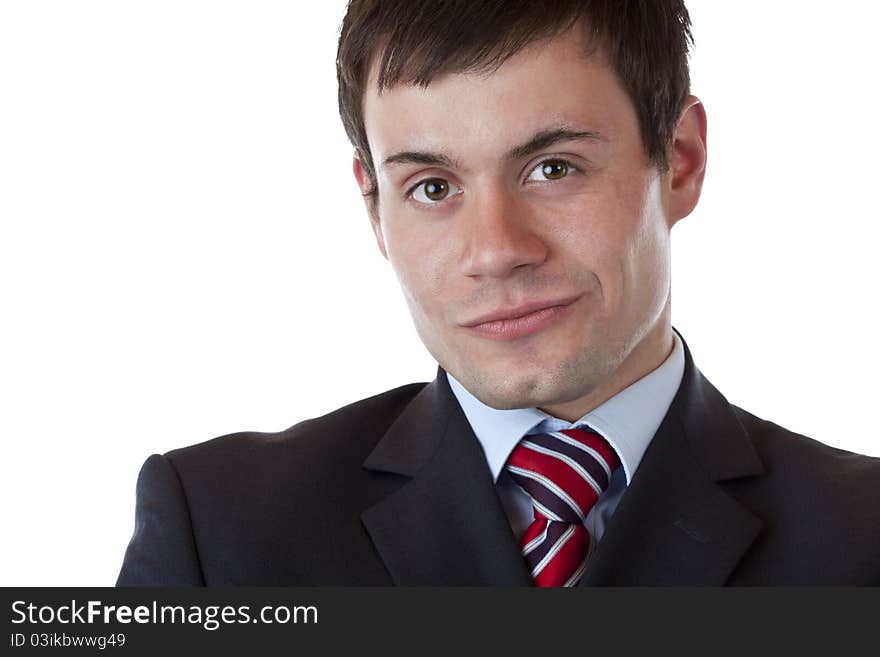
point(550, 170)
point(433, 190)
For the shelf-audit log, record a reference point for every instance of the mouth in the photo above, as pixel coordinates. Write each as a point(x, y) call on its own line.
point(522, 320)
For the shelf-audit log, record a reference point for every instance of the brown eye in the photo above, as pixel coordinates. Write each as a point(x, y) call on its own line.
point(554, 169)
point(436, 189)
point(551, 170)
point(433, 190)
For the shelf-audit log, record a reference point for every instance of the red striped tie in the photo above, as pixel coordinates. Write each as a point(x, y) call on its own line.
point(564, 472)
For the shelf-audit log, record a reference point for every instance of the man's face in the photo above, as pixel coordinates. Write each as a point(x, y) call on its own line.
point(528, 230)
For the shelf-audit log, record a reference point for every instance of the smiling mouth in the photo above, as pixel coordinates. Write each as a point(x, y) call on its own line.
point(520, 321)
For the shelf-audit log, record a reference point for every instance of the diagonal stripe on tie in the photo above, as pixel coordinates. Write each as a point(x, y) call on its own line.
point(564, 473)
point(550, 499)
point(573, 480)
point(594, 444)
point(588, 458)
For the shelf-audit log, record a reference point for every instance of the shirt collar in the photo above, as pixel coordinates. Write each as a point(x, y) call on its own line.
point(628, 420)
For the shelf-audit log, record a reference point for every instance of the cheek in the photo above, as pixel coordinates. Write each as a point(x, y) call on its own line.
point(648, 262)
point(651, 232)
point(616, 233)
point(422, 261)
point(592, 232)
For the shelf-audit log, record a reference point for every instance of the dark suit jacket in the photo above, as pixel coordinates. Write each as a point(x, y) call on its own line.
point(395, 489)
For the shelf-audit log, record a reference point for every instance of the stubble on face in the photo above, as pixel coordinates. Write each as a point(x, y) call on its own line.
point(569, 387)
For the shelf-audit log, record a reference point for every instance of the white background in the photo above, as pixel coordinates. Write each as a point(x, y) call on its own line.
point(183, 251)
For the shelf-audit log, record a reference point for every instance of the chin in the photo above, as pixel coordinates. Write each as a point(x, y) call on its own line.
point(505, 392)
point(554, 379)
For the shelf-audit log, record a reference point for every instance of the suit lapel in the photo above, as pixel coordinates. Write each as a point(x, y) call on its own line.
point(676, 524)
point(445, 526)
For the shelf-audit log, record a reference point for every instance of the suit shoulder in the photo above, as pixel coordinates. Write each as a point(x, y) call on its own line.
point(349, 432)
point(781, 448)
point(818, 504)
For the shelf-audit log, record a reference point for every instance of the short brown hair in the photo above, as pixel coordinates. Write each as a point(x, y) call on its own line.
point(413, 41)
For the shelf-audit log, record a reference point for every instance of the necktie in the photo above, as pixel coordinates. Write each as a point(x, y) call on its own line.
point(564, 472)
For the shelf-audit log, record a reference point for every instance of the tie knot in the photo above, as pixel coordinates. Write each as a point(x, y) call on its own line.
point(564, 472)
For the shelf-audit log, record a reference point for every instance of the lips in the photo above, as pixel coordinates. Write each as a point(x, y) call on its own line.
point(522, 320)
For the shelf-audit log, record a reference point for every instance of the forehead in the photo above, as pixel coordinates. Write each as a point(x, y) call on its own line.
point(553, 81)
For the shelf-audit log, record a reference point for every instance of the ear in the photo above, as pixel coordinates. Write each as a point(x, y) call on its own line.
point(687, 160)
point(363, 181)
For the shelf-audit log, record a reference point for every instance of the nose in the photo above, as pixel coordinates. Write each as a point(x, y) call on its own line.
point(500, 237)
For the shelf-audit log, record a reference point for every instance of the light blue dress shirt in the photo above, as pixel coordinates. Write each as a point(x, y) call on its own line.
point(628, 421)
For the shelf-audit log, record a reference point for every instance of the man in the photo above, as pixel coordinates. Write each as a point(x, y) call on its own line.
point(522, 166)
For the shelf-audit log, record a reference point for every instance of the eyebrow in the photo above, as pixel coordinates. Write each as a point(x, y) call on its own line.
point(539, 141)
point(420, 157)
point(546, 138)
